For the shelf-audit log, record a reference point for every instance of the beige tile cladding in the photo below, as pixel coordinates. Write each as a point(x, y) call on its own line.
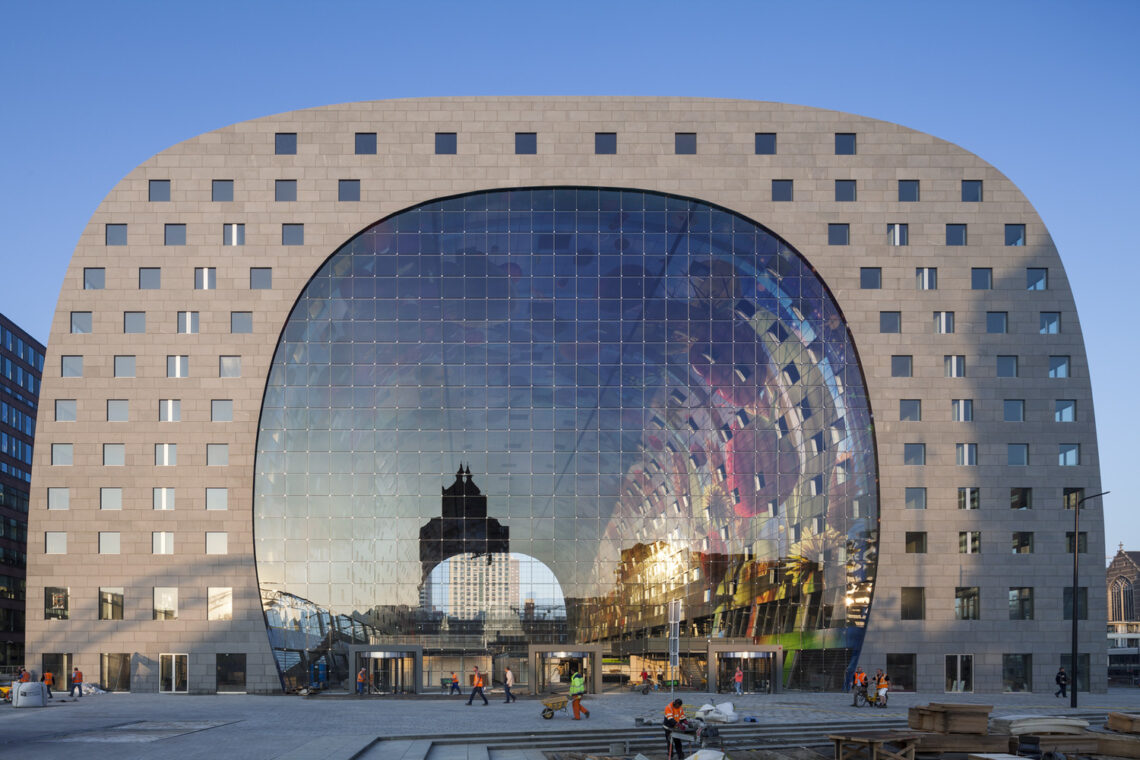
point(405, 172)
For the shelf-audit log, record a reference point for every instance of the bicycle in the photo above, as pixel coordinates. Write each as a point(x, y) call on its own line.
point(864, 696)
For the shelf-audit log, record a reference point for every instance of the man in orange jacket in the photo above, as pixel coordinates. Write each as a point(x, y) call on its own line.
point(477, 688)
point(76, 682)
point(48, 678)
point(859, 684)
point(674, 720)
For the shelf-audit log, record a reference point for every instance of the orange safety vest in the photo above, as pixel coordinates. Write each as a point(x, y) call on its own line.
point(478, 681)
point(860, 678)
point(454, 678)
point(49, 678)
point(25, 677)
point(360, 676)
point(883, 682)
point(676, 713)
point(78, 677)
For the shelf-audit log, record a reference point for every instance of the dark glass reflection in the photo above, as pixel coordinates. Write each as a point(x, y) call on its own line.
point(658, 399)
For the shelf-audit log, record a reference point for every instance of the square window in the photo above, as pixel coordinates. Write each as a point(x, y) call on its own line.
point(926, 278)
point(910, 410)
point(870, 278)
point(178, 366)
point(915, 498)
point(285, 190)
point(969, 542)
point(981, 278)
point(162, 542)
point(1017, 454)
point(901, 365)
point(1082, 600)
point(62, 454)
point(908, 191)
point(217, 542)
point(134, 322)
point(205, 278)
point(967, 603)
point(962, 410)
point(1020, 497)
point(890, 322)
point(845, 143)
point(80, 322)
point(943, 322)
point(292, 234)
point(971, 191)
point(1082, 542)
point(912, 603)
point(955, 234)
point(765, 143)
point(165, 454)
point(969, 497)
point(285, 143)
point(111, 499)
point(71, 366)
point(55, 542)
point(1036, 278)
point(124, 366)
point(844, 190)
point(365, 143)
point(174, 234)
point(217, 499)
point(111, 603)
point(685, 143)
point(233, 234)
point(1015, 234)
point(348, 190)
point(222, 190)
point(217, 454)
point(1050, 322)
point(446, 143)
point(1058, 366)
point(169, 410)
point(966, 454)
point(605, 143)
point(219, 603)
point(150, 278)
point(59, 498)
point(115, 234)
point(94, 278)
point(1013, 410)
point(1021, 603)
point(954, 365)
point(898, 234)
point(117, 410)
point(229, 366)
point(838, 234)
point(914, 453)
point(1021, 542)
point(1064, 410)
point(165, 602)
point(782, 190)
point(1071, 497)
point(526, 143)
point(997, 322)
point(916, 542)
point(159, 190)
point(108, 542)
point(1006, 366)
point(1068, 454)
point(241, 322)
point(56, 598)
point(260, 278)
point(187, 322)
point(65, 410)
point(221, 410)
point(162, 499)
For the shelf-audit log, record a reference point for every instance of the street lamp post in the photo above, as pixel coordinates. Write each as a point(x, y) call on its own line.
point(1073, 666)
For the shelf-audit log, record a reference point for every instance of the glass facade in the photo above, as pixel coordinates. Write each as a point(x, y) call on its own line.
point(646, 399)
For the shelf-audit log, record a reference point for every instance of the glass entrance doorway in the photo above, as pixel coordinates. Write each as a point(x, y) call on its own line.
point(387, 672)
point(556, 668)
point(172, 670)
point(755, 666)
point(959, 672)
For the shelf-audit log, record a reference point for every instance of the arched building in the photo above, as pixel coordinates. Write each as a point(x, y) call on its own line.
point(818, 379)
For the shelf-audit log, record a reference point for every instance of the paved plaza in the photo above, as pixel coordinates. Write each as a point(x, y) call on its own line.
point(125, 726)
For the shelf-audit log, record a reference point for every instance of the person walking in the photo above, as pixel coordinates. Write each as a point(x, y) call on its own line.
point(477, 688)
point(577, 689)
point(361, 680)
point(455, 685)
point(738, 680)
point(76, 683)
point(1062, 681)
point(508, 682)
point(48, 678)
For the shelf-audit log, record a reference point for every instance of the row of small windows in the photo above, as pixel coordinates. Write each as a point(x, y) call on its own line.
point(169, 410)
point(1017, 454)
point(981, 278)
point(1005, 366)
point(71, 365)
point(232, 234)
point(24, 378)
point(968, 603)
point(163, 498)
point(112, 600)
point(21, 350)
point(970, 542)
point(110, 542)
point(970, 497)
point(16, 448)
point(205, 278)
point(1013, 410)
point(846, 191)
point(997, 322)
point(16, 419)
point(839, 233)
point(186, 322)
point(165, 454)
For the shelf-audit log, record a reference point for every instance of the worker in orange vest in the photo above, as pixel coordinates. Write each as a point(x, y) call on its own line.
point(48, 678)
point(477, 688)
point(859, 682)
point(360, 681)
point(76, 682)
point(455, 685)
point(883, 685)
point(674, 720)
point(25, 676)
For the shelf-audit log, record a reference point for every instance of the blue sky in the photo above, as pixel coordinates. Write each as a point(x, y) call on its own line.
point(1048, 92)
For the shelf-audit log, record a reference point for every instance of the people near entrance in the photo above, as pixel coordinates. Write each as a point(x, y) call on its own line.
point(361, 681)
point(882, 685)
point(674, 721)
point(1062, 681)
point(577, 689)
point(858, 685)
point(76, 682)
point(738, 680)
point(25, 676)
point(644, 677)
point(508, 682)
point(477, 688)
point(660, 680)
point(48, 678)
point(455, 685)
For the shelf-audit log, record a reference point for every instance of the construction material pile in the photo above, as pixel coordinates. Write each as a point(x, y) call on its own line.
point(950, 719)
point(1128, 723)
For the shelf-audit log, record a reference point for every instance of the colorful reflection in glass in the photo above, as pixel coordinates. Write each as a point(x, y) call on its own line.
point(647, 398)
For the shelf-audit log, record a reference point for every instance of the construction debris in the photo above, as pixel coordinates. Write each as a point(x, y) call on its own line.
point(1129, 723)
point(1019, 725)
point(949, 718)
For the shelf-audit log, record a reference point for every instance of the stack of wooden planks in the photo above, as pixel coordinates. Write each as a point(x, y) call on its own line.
point(950, 719)
point(1020, 725)
point(1128, 723)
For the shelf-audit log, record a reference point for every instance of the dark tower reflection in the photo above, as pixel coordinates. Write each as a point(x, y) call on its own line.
point(463, 527)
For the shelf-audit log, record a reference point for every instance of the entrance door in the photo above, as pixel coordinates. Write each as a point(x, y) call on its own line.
point(387, 672)
point(959, 672)
point(230, 670)
point(59, 665)
point(172, 673)
point(556, 668)
point(757, 669)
